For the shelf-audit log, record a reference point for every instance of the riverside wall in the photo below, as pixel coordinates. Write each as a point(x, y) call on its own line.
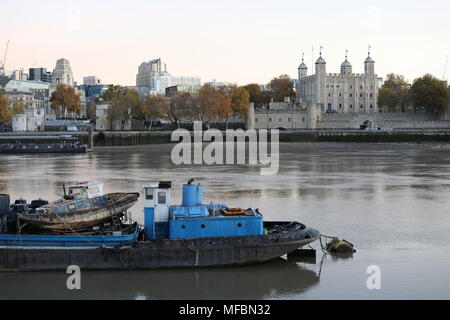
point(116, 139)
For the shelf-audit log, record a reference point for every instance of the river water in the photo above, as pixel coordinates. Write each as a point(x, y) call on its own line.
point(392, 201)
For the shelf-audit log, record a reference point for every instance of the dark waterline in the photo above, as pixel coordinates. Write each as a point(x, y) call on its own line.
point(390, 200)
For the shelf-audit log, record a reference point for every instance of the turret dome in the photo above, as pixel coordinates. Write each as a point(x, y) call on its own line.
point(369, 60)
point(303, 66)
point(321, 60)
point(346, 64)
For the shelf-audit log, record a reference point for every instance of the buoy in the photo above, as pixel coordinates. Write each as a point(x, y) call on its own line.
point(340, 246)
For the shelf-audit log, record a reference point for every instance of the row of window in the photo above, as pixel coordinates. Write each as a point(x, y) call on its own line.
point(351, 95)
point(351, 87)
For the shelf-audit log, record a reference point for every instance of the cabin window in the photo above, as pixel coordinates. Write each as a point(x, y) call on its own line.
point(161, 198)
point(149, 194)
point(94, 190)
point(71, 206)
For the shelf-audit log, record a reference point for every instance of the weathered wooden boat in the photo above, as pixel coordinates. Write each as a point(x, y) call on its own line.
point(190, 235)
point(81, 214)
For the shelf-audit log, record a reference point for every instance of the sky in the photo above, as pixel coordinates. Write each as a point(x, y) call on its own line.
point(238, 41)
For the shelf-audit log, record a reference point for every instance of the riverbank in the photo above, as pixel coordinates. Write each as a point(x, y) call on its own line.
point(127, 138)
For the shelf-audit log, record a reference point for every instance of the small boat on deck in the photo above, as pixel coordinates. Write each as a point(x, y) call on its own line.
point(84, 207)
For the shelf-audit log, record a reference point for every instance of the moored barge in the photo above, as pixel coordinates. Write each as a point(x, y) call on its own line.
point(189, 235)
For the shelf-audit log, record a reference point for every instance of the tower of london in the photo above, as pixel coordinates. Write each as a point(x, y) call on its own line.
point(344, 92)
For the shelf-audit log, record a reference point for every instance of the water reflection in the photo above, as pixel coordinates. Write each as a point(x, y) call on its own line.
point(265, 281)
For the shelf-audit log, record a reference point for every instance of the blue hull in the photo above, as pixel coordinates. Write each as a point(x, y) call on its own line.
point(68, 240)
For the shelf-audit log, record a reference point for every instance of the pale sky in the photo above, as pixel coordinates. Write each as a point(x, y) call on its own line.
point(240, 41)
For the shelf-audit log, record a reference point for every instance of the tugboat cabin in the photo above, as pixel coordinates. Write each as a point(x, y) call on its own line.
point(193, 219)
point(85, 190)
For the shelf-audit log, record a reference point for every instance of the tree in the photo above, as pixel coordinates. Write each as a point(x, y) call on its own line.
point(281, 87)
point(216, 103)
point(394, 94)
point(240, 100)
point(65, 99)
point(180, 105)
point(430, 94)
point(113, 93)
point(254, 91)
point(18, 108)
point(122, 108)
point(5, 111)
point(154, 108)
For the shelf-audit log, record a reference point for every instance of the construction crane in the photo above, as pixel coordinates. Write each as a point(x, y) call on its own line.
point(2, 64)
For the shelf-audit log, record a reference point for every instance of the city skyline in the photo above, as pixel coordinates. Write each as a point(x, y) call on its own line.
point(250, 42)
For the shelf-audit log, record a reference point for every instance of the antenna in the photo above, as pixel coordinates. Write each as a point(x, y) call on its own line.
point(445, 69)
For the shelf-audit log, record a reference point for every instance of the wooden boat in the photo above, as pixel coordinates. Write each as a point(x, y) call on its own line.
point(83, 208)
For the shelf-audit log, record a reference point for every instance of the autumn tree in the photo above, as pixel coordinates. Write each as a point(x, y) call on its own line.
point(123, 107)
point(430, 94)
point(65, 99)
point(394, 94)
point(180, 106)
point(5, 111)
point(240, 99)
point(254, 91)
point(113, 93)
point(154, 108)
point(281, 87)
point(216, 102)
point(17, 108)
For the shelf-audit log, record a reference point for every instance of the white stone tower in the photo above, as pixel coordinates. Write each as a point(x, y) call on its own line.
point(321, 75)
point(369, 65)
point(346, 66)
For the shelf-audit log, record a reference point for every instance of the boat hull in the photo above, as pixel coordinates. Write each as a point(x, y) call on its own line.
point(177, 253)
point(79, 221)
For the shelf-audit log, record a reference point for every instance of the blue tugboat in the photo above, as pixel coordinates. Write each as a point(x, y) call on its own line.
point(192, 234)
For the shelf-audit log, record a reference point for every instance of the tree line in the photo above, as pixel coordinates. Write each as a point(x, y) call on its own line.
point(426, 94)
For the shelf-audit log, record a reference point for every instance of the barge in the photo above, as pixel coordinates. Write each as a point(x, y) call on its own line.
point(188, 235)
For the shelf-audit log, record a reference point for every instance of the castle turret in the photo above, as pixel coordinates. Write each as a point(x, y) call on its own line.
point(302, 69)
point(369, 65)
point(346, 66)
point(321, 74)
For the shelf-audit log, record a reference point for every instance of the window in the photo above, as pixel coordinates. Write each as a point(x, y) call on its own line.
point(371, 106)
point(289, 119)
point(256, 119)
point(360, 95)
point(362, 106)
point(351, 95)
point(270, 119)
point(162, 197)
point(351, 106)
point(149, 194)
point(280, 120)
point(340, 94)
point(340, 106)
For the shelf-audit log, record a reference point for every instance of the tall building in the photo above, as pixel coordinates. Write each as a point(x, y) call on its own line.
point(154, 75)
point(62, 74)
point(344, 92)
point(40, 74)
point(91, 81)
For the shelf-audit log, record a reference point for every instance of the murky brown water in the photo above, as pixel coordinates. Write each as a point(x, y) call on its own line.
point(392, 201)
